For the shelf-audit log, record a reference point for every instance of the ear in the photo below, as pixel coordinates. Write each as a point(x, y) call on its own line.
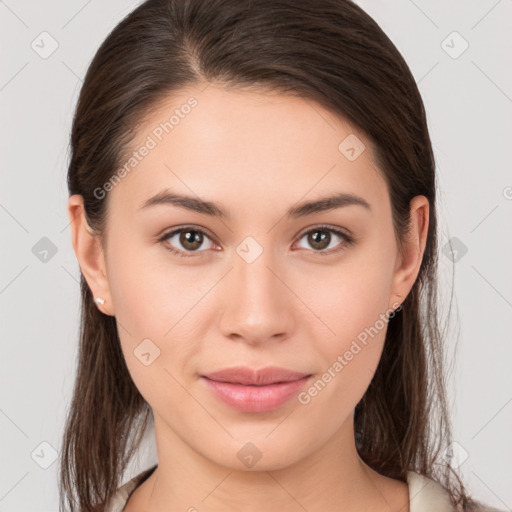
point(410, 258)
point(89, 253)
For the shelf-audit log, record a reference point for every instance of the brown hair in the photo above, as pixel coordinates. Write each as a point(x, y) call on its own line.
point(328, 51)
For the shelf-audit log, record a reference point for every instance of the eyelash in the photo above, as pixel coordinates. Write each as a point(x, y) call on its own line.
point(348, 240)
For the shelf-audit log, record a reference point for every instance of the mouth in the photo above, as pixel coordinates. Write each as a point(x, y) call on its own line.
point(251, 390)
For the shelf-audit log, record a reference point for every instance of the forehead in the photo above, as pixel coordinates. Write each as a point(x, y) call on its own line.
point(245, 147)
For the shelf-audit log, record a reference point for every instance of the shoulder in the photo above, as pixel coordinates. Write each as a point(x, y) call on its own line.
point(118, 501)
point(426, 494)
point(477, 506)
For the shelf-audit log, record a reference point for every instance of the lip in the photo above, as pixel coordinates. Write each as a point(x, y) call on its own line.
point(251, 390)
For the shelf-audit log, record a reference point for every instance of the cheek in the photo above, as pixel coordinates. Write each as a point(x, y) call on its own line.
point(353, 303)
point(146, 307)
point(351, 297)
point(349, 357)
point(161, 310)
point(149, 294)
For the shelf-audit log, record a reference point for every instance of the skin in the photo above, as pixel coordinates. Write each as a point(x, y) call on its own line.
point(257, 154)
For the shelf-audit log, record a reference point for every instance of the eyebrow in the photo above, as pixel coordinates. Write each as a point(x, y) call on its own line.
point(167, 197)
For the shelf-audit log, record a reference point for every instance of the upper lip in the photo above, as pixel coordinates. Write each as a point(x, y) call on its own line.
point(261, 377)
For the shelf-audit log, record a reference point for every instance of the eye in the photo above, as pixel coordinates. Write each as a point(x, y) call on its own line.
point(321, 238)
point(190, 238)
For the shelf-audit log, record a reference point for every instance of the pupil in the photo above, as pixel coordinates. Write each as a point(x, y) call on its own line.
point(318, 239)
point(193, 240)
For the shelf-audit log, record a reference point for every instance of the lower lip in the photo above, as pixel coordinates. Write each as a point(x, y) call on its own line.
point(255, 398)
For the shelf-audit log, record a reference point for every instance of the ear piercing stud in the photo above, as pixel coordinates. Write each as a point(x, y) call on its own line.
point(99, 300)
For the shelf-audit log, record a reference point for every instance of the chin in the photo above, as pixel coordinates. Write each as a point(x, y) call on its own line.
point(261, 452)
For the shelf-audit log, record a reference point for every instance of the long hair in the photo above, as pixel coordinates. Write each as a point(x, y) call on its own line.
point(326, 51)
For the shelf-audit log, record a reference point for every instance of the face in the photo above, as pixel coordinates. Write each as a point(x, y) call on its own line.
point(255, 279)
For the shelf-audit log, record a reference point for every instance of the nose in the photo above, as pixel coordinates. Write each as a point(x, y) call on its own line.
point(257, 305)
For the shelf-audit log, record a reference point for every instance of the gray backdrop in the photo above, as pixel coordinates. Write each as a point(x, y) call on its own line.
point(459, 53)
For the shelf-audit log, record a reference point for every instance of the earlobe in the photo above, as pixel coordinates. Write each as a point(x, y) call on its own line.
point(413, 247)
point(89, 253)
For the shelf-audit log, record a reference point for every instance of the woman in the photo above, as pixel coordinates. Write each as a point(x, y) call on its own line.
point(252, 197)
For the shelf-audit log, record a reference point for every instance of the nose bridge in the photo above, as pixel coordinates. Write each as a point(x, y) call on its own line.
point(257, 305)
point(253, 274)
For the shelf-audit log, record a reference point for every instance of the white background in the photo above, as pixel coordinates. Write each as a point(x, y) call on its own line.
point(469, 106)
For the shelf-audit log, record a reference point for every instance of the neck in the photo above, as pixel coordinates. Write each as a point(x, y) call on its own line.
point(332, 478)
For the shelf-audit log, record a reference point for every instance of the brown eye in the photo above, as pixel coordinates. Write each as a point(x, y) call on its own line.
point(319, 239)
point(186, 240)
point(191, 239)
point(323, 237)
